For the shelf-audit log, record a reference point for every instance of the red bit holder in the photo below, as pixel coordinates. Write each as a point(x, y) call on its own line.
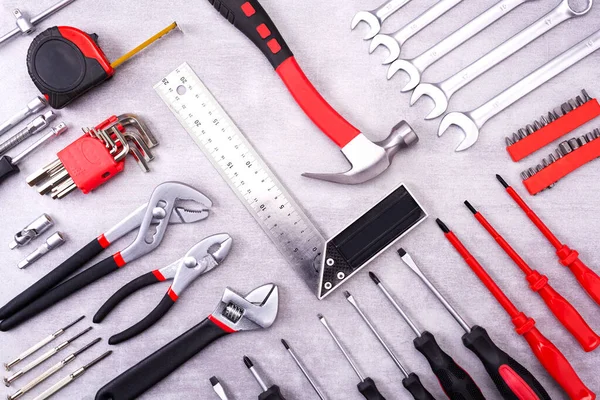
point(546, 352)
point(568, 316)
point(546, 130)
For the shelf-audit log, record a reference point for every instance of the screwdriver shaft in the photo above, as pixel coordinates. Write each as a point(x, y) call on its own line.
point(304, 370)
point(341, 347)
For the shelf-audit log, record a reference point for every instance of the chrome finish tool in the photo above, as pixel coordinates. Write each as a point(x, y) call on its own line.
point(54, 241)
point(34, 106)
point(31, 231)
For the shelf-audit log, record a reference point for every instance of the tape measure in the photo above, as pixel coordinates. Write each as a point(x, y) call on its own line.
point(265, 197)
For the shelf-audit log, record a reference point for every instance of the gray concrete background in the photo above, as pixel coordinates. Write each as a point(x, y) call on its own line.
point(338, 62)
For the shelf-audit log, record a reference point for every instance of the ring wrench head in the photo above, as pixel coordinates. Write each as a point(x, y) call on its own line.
point(436, 94)
point(258, 310)
point(370, 19)
point(465, 122)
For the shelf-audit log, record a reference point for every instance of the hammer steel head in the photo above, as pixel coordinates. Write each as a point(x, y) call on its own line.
point(369, 159)
point(258, 310)
point(388, 42)
point(414, 74)
point(437, 95)
point(465, 122)
point(370, 19)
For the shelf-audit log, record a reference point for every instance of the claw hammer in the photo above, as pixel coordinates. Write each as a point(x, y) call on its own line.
point(368, 159)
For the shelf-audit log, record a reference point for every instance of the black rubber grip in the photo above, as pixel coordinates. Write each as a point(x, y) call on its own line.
point(121, 294)
point(369, 390)
point(60, 293)
point(455, 381)
point(254, 22)
point(159, 311)
point(273, 393)
point(415, 387)
point(154, 368)
point(7, 168)
point(512, 379)
point(51, 279)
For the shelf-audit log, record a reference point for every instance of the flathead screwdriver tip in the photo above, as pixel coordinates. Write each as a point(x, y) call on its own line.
point(248, 362)
point(320, 316)
point(347, 294)
point(442, 226)
point(374, 278)
point(401, 252)
point(502, 181)
point(285, 344)
point(214, 381)
point(470, 207)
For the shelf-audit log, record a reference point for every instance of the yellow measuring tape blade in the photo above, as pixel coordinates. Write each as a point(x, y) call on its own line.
point(142, 46)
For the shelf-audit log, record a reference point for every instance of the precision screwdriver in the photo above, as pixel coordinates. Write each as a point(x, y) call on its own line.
point(411, 381)
point(269, 393)
point(218, 388)
point(566, 314)
point(545, 351)
point(587, 278)
point(512, 379)
point(304, 370)
point(367, 386)
point(455, 381)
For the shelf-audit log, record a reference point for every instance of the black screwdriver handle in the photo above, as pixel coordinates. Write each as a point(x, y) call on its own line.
point(455, 381)
point(7, 168)
point(273, 393)
point(415, 387)
point(512, 379)
point(369, 390)
point(51, 279)
point(144, 375)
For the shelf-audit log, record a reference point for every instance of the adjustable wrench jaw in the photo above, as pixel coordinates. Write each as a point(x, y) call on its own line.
point(438, 96)
point(370, 19)
point(464, 121)
point(258, 310)
point(369, 159)
point(389, 42)
point(414, 74)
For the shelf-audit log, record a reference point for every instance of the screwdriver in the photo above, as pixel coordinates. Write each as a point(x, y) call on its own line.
point(455, 381)
point(512, 379)
point(587, 278)
point(367, 386)
point(304, 370)
point(568, 316)
point(546, 352)
point(218, 388)
point(411, 381)
point(269, 393)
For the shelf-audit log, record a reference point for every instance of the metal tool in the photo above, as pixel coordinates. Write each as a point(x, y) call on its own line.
point(199, 260)
point(367, 158)
point(34, 106)
point(26, 26)
point(10, 166)
point(367, 386)
point(70, 378)
point(162, 210)
point(32, 128)
point(271, 393)
point(218, 388)
point(376, 17)
point(51, 371)
point(511, 378)
point(471, 122)
point(455, 381)
point(40, 344)
point(395, 41)
point(43, 357)
point(34, 229)
point(411, 380)
point(53, 242)
point(545, 351)
point(416, 66)
point(441, 92)
point(258, 310)
point(304, 370)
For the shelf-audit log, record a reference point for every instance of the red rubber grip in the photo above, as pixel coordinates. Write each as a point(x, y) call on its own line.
point(587, 278)
point(314, 105)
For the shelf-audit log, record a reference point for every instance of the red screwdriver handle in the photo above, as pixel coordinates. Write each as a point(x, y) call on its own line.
point(587, 278)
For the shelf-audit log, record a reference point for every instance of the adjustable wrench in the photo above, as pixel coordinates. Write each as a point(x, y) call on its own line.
point(376, 17)
point(441, 92)
point(472, 121)
point(416, 66)
point(394, 42)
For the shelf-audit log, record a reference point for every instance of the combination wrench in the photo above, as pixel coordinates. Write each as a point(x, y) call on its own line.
point(441, 92)
point(376, 17)
point(472, 121)
point(394, 42)
point(416, 66)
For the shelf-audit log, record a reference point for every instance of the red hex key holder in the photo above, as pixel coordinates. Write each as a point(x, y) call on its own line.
point(587, 278)
point(564, 311)
point(546, 352)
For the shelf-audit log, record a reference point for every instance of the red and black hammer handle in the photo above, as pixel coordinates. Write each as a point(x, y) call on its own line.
point(254, 22)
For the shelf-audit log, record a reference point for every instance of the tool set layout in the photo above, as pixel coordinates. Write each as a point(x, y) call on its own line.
point(65, 63)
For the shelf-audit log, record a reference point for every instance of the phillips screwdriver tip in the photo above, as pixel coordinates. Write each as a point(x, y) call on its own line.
point(470, 207)
point(502, 181)
point(248, 362)
point(214, 381)
point(442, 226)
point(285, 344)
point(401, 252)
point(374, 278)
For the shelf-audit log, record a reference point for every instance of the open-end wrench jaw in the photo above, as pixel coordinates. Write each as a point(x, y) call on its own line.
point(436, 94)
point(370, 19)
point(389, 43)
point(369, 159)
point(465, 122)
point(258, 310)
point(413, 73)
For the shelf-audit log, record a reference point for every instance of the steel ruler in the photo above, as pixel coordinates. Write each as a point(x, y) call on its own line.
point(265, 197)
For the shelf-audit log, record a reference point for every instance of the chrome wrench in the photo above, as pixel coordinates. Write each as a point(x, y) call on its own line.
point(416, 66)
point(472, 121)
point(441, 92)
point(376, 17)
point(394, 42)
